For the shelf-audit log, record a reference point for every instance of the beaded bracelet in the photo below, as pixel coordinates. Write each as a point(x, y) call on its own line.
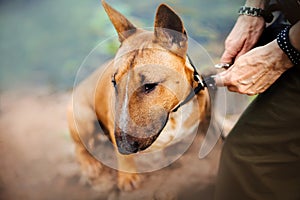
point(284, 43)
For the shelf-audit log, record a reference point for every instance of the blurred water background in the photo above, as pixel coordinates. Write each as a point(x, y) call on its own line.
point(43, 42)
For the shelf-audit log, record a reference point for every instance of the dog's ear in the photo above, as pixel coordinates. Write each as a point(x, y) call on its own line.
point(169, 30)
point(122, 25)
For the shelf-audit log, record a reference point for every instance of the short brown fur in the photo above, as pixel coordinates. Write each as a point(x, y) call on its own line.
point(148, 112)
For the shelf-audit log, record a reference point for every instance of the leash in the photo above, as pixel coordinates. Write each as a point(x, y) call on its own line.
point(203, 82)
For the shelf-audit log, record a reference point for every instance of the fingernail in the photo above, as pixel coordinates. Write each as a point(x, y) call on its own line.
point(251, 93)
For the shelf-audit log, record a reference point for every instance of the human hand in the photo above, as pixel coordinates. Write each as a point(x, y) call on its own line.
point(255, 71)
point(243, 37)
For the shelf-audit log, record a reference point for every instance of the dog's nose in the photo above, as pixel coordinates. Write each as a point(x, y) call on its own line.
point(127, 146)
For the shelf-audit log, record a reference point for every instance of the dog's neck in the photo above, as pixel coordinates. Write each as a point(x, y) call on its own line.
point(197, 78)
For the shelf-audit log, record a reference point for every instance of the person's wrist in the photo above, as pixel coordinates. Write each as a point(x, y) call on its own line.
point(256, 12)
point(283, 41)
point(280, 55)
point(257, 8)
point(294, 36)
point(256, 3)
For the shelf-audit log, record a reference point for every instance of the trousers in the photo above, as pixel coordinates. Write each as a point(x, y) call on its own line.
point(261, 156)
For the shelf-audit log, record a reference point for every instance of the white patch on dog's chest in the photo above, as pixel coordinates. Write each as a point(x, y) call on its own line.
point(181, 124)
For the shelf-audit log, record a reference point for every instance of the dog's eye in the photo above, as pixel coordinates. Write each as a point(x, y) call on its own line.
point(113, 80)
point(149, 87)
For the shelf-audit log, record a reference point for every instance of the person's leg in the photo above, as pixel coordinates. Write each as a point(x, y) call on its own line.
point(261, 156)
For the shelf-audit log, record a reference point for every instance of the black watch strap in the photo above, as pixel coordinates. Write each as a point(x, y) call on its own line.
point(256, 12)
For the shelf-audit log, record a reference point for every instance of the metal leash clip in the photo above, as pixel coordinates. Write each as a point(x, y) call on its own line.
point(223, 65)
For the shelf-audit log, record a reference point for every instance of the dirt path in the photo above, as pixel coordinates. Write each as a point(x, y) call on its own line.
point(37, 158)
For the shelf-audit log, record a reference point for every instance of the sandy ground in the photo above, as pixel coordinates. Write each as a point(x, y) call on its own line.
point(38, 162)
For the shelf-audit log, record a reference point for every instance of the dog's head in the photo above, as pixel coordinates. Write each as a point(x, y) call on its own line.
point(151, 77)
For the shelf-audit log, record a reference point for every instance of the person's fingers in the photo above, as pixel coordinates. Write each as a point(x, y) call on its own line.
point(240, 86)
point(227, 57)
point(219, 80)
point(233, 45)
point(263, 83)
point(223, 78)
point(233, 88)
point(247, 46)
point(242, 52)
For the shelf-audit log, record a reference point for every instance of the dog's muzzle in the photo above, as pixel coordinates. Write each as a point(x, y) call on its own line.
point(128, 144)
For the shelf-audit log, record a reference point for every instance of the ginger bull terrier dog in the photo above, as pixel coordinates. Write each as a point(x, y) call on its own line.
point(135, 95)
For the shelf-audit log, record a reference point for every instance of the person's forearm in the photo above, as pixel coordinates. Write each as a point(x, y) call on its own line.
point(257, 3)
point(294, 35)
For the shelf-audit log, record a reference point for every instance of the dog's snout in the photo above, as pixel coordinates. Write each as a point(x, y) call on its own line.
point(127, 145)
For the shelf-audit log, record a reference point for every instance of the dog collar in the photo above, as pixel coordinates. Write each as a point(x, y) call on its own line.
point(202, 84)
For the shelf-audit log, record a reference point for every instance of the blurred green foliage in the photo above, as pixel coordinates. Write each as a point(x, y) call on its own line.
point(43, 42)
